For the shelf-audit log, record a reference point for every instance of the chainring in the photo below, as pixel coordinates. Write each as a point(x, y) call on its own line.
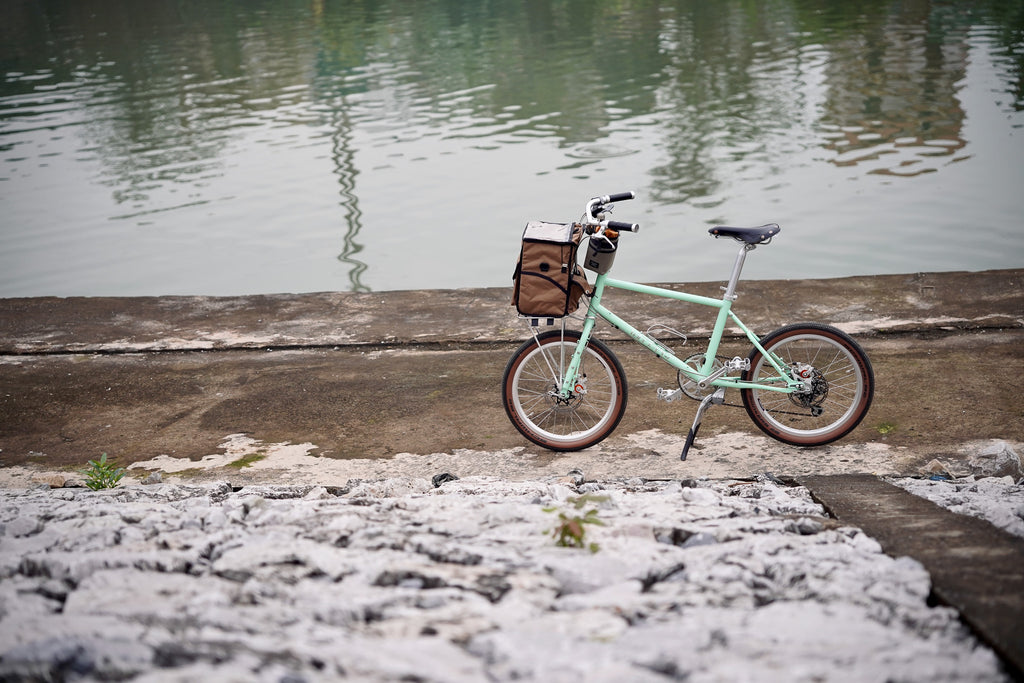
point(690, 387)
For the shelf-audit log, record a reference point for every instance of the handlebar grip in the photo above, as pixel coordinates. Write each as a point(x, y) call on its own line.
point(620, 225)
point(617, 197)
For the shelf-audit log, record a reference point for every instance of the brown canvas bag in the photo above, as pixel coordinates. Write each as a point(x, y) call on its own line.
point(547, 281)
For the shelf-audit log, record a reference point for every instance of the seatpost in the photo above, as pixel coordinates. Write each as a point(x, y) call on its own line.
point(737, 268)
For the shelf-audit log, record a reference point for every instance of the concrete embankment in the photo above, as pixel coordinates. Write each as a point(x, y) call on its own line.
point(883, 304)
point(321, 388)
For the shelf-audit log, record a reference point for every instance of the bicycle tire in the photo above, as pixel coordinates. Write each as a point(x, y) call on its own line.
point(843, 385)
point(532, 380)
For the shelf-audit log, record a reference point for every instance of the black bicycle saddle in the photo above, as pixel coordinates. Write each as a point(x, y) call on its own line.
point(759, 235)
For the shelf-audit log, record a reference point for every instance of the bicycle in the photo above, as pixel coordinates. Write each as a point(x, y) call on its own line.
point(805, 384)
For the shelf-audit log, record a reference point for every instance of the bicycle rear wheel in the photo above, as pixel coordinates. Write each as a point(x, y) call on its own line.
point(532, 382)
point(842, 385)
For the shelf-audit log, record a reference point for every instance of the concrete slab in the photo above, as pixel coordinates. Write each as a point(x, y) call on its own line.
point(404, 383)
point(858, 305)
point(328, 388)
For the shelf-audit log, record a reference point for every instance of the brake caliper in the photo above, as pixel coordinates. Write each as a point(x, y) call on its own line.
point(815, 388)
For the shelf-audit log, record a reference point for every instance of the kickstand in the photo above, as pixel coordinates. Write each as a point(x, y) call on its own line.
point(717, 398)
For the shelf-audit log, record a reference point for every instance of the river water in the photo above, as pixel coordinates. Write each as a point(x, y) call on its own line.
point(224, 147)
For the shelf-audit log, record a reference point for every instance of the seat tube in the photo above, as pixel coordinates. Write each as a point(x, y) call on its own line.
point(716, 337)
point(737, 268)
point(723, 312)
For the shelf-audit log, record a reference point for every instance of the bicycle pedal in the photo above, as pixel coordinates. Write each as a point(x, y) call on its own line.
point(669, 395)
point(738, 363)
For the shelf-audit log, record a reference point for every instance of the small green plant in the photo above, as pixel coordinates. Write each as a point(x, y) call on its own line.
point(247, 460)
point(570, 532)
point(102, 474)
point(886, 428)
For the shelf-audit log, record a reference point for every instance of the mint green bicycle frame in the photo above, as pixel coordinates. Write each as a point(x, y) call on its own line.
point(724, 306)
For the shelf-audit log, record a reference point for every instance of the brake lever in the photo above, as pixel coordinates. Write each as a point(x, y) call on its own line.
point(604, 211)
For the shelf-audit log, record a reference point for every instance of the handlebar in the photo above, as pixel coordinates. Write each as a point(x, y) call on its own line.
point(597, 206)
point(619, 225)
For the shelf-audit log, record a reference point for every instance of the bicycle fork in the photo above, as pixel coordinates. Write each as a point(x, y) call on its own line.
point(569, 380)
point(566, 377)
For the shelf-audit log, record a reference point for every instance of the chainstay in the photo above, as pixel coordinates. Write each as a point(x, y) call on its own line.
point(774, 412)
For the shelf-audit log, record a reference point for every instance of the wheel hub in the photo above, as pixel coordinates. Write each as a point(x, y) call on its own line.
point(575, 397)
point(817, 388)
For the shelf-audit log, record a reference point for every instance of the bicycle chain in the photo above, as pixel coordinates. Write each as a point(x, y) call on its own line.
point(774, 412)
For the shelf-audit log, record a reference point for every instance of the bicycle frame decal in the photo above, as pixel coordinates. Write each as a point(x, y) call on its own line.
point(725, 313)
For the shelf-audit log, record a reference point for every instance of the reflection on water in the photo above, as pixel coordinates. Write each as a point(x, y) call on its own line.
point(219, 147)
point(897, 110)
point(345, 167)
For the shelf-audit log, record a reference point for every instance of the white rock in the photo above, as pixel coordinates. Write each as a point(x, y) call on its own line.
point(997, 460)
point(23, 526)
point(401, 580)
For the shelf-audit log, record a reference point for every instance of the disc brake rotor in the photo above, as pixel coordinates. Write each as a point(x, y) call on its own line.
point(819, 389)
point(573, 399)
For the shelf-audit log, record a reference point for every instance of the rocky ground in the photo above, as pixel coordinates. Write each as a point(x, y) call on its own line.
point(409, 579)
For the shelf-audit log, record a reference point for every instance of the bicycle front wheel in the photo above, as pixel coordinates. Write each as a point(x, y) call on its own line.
point(840, 390)
point(531, 392)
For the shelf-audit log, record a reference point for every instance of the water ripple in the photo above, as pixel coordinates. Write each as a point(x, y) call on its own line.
point(310, 134)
